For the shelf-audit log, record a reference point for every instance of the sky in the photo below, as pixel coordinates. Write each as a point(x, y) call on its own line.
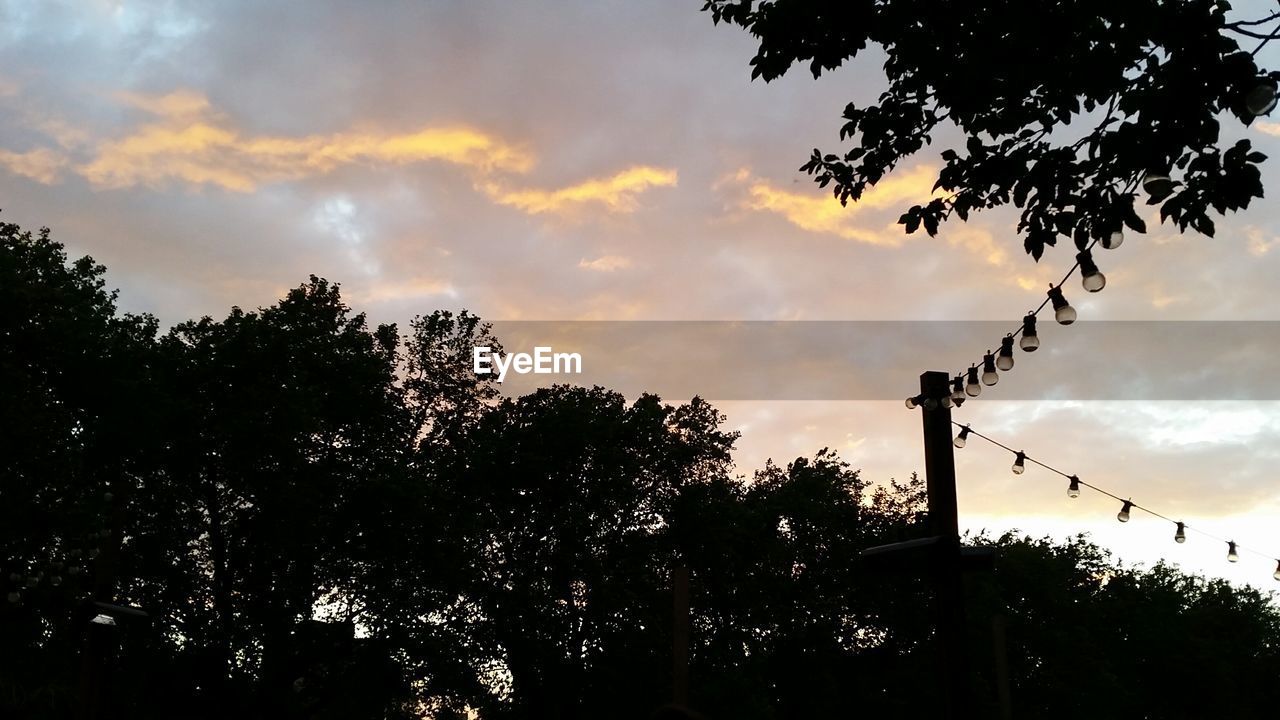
point(613, 161)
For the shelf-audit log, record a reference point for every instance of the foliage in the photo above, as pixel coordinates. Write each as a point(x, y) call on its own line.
point(327, 520)
point(1064, 105)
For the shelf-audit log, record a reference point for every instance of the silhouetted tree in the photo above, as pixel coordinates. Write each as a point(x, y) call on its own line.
point(290, 439)
point(76, 432)
point(1143, 85)
point(565, 501)
point(1087, 638)
point(324, 520)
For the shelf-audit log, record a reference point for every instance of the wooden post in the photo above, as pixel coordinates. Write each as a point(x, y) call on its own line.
point(940, 476)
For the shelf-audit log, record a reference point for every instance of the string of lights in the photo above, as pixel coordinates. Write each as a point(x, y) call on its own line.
point(1074, 483)
point(1259, 101)
point(968, 384)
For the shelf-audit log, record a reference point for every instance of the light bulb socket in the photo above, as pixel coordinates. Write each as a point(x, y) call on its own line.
point(989, 374)
point(1030, 341)
point(1091, 278)
point(1062, 310)
point(1005, 360)
point(1056, 297)
point(972, 388)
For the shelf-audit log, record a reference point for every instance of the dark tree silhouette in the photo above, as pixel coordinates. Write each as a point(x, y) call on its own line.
point(76, 426)
point(1065, 106)
point(289, 436)
point(326, 520)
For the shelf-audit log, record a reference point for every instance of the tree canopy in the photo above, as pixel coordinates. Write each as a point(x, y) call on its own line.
point(323, 519)
point(1065, 107)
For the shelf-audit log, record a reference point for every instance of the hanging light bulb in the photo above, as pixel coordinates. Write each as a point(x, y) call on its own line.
point(1020, 463)
point(989, 374)
point(930, 403)
point(1123, 515)
point(1157, 182)
point(1113, 241)
point(957, 390)
point(1062, 310)
point(1261, 100)
point(1276, 574)
point(1181, 535)
point(961, 437)
point(1005, 360)
point(1092, 279)
point(972, 388)
point(1232, 555)
point(1073, 489)
point(946, 401)
point(913, 402)
point(14, 596)
point(1030, 341)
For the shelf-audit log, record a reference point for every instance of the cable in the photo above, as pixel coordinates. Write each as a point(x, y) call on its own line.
point(913, 402)
point(1129, 503)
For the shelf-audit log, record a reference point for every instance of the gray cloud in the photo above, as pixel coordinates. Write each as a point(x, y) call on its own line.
point(592, 89)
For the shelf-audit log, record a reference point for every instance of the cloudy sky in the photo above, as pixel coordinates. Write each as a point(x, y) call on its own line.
point(611, 160)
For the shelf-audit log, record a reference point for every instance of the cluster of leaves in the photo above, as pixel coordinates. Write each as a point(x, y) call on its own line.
point(1151, 80)
point(328, 520)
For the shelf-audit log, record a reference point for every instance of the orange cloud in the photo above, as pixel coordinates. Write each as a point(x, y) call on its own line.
point(191, 143)
point(177, 104)
point(184, 140)
point(405, 290)
point(606, 263)
point(1269, 128)
point(617, 193)
point(42, 165)
point(1259, 243)
point(820, 213)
